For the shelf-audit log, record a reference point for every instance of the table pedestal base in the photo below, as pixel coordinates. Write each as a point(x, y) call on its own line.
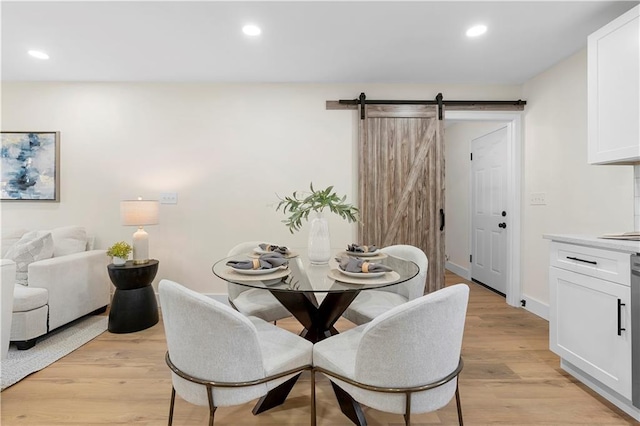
point(318, 324)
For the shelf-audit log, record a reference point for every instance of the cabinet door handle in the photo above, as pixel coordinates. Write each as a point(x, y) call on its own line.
point(620, 329)
point(593, 262)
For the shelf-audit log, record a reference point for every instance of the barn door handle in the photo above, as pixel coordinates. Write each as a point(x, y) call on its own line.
point(441, 219)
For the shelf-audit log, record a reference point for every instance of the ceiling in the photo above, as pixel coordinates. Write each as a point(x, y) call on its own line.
point(307, 42)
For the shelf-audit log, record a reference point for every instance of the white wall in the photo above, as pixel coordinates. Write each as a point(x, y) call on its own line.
point(458, 137)
point(228, 149)
point(225, 149)
point(581, 199)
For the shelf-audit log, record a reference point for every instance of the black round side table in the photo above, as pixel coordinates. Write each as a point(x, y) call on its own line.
point(134, 305)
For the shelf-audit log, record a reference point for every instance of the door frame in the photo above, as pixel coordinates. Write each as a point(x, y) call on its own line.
point(513, 121)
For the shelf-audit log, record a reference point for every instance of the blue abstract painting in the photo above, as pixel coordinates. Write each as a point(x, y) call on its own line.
point(29, 166)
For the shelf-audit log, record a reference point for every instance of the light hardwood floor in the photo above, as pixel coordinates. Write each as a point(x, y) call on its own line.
point(510, 377)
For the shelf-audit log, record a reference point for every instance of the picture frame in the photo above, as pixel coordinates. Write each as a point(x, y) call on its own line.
point(30, 166)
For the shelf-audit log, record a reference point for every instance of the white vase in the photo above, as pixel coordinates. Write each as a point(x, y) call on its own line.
point(118, 261)
point(319, 245)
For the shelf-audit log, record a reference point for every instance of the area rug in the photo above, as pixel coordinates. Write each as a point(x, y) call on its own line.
point(50, 348)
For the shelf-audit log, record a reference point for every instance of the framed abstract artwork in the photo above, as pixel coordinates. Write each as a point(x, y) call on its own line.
point(30, 166)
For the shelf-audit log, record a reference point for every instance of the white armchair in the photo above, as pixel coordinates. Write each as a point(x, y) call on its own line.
point(56, 290)
point(406, 360)
point(6, 302)
point(219, 357)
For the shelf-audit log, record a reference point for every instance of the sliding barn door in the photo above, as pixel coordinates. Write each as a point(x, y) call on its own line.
point(401, 181)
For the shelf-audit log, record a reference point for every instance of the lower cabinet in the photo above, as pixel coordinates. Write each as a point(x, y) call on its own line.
point(589, 327)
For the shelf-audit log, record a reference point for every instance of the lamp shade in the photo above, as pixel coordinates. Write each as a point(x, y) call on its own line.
point(139, 212)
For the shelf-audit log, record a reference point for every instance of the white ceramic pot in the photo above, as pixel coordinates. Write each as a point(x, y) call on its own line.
point(319, 244)
point(118, 261)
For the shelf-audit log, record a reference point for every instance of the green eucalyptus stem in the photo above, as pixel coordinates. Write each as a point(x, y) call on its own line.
point(299, 208)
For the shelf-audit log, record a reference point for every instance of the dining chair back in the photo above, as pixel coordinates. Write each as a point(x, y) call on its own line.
point(406, 360)
point(413, 288)
point(371, 303)
point(219, 357)
point(251, 301)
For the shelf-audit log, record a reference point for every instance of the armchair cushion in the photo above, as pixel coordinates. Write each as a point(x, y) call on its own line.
point(29, 298)
point(33, 246)
point(69, 240)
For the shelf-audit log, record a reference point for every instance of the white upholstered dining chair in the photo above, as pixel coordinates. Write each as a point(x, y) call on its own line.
point(371, 303)
point(407, 360)
point(219, 357)
point(252, 301)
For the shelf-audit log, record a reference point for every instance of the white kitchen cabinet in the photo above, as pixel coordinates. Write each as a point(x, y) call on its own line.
point(614, 91)
point(590, 319)
point(583, 327)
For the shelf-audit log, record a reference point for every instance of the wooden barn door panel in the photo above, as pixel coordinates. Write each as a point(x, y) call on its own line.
point(401, 181)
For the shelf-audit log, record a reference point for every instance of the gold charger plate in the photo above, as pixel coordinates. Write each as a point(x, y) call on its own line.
point(387, 278)
point(232, 275)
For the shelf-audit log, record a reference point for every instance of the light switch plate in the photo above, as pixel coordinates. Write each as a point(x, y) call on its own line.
point(538, 199)
point(169, 198)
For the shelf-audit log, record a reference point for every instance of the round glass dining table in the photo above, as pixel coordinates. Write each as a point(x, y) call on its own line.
point(316, 295)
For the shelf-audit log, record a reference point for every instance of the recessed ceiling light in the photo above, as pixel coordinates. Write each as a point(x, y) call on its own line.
point(476, 30)
point(251, 30)
point(38, 54)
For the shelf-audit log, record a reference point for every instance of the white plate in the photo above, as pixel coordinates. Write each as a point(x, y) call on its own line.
point(368, 254)
point(260, 251)
point(256, 271)
point(362, 274)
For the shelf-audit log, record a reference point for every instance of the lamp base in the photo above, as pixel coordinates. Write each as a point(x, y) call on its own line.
point(140, 247)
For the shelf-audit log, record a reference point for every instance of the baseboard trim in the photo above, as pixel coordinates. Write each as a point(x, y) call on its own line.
point(536, 307)
point(458, 270)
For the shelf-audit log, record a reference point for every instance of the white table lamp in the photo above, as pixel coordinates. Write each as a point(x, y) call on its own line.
point(139, 213)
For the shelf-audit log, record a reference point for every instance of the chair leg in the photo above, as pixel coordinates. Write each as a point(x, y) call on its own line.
point(407, 410)
point(313, 397)
point(173, 400)
point(460, 422)
point(212, 408)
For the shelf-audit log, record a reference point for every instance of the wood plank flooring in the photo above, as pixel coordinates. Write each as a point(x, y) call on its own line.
point(510, 377)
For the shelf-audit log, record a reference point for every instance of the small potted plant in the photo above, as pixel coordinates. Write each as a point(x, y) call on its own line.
point(119, 252)
point(299, 209)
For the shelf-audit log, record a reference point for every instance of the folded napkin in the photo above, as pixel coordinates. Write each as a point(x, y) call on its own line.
point(354, 264)
point(265, 261)
point(274, 248)
point(357, 248)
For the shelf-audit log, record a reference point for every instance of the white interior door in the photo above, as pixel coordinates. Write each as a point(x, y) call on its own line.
point(489, 218)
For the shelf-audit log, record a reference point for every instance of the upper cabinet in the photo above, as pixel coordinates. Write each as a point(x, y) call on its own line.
point(614, 91)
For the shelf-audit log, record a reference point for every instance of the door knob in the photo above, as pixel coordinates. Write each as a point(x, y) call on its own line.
point(502, 225)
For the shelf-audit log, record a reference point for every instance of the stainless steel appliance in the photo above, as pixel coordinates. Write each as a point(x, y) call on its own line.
point(635, 330)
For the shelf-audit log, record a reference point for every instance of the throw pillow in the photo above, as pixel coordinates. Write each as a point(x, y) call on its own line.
point(9, 238)
point(33, 246)
point(69, 240)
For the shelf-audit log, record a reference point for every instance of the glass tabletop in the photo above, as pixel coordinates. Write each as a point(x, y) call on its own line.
point(302, 276)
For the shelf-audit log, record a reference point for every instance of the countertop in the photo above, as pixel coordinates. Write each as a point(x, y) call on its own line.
point(591, 241)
